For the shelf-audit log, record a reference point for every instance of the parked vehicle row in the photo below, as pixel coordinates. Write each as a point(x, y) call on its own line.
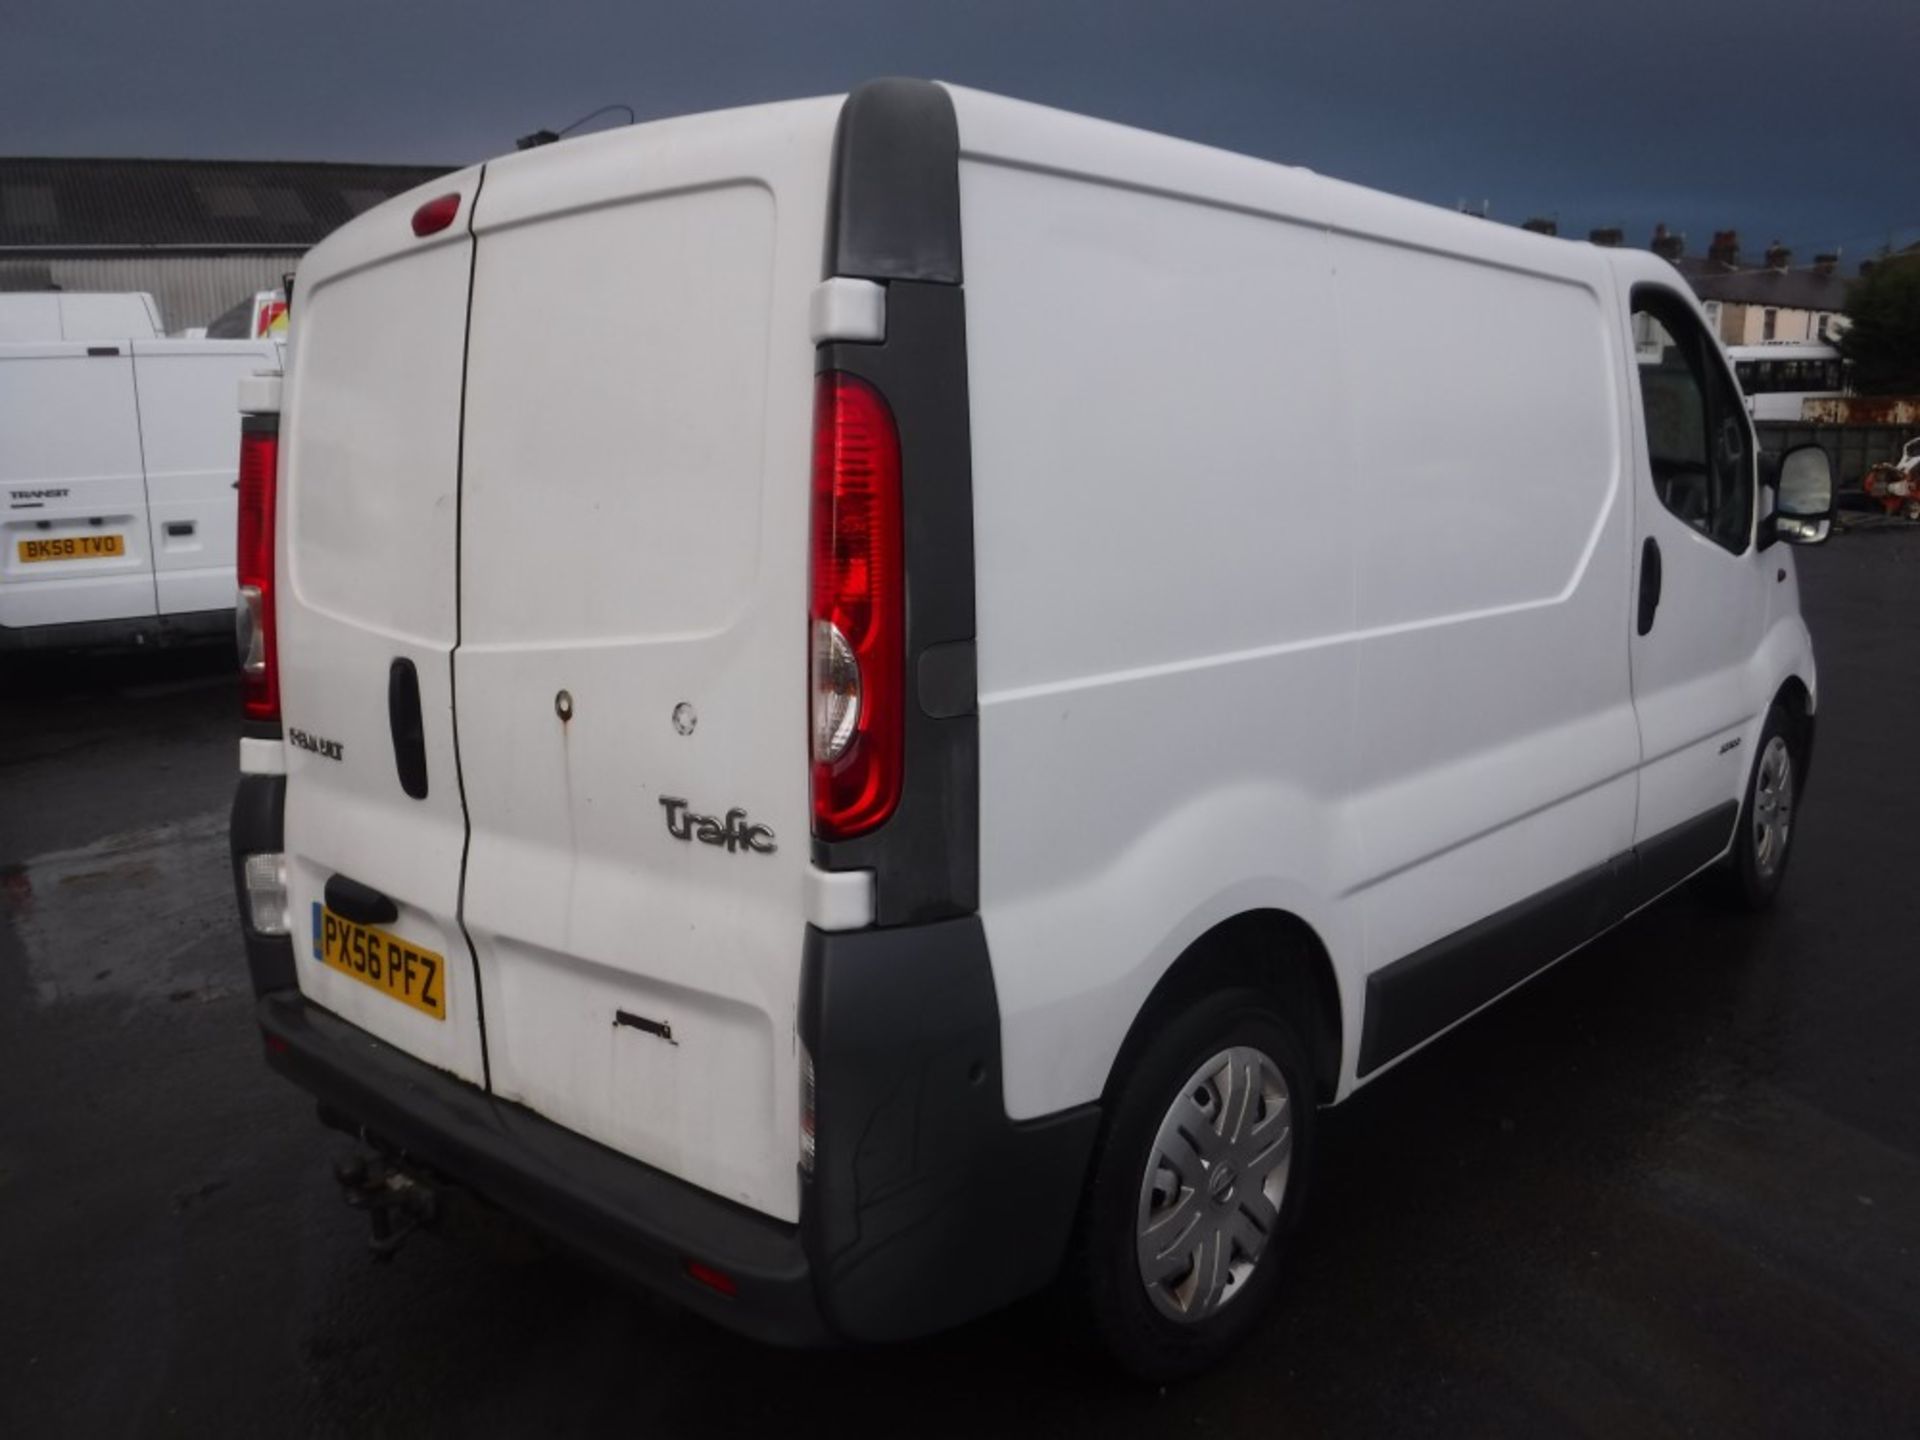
point(849, 792)
point(117, 472)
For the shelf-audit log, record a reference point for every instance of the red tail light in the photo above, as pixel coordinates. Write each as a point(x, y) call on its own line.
point(436, 215)
point(858, 609)
point(253, 621)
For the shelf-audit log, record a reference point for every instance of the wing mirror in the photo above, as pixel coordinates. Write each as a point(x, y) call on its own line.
point(1802, 498)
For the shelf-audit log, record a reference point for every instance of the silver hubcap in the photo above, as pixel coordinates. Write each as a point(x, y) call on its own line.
point(1772, 807)
point(1215, 1180)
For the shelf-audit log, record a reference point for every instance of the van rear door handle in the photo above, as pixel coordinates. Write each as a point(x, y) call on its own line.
point(362, 904)
point(409, 733)
point(1649, 583)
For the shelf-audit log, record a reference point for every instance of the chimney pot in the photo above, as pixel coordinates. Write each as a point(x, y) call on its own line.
point(1541, 225)
point(1725, 248)
point(1667, 245)
point(1826, 264)
point(1778, 256)
point(1607, 235)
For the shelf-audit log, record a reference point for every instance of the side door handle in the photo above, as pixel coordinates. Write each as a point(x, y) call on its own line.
point(1649, 582)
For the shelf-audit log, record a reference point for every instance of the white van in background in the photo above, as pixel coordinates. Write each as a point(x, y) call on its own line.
point(117, 480)
point(34, 315)
point(847, 792)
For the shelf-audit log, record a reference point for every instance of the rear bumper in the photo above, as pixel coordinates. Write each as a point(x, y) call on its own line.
point(927, 1206)
point(641, 1223)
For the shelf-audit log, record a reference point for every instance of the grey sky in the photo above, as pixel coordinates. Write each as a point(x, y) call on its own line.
point(1786, 119)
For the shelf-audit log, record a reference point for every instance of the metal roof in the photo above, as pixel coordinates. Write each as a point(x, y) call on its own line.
point(84, 204)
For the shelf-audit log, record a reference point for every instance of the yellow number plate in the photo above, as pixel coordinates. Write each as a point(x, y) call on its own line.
point(72, 547)
point(396, 969)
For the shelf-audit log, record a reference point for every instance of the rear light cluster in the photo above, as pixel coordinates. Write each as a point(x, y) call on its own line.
point(857, 609)
point(265, 876)
point(253, 619)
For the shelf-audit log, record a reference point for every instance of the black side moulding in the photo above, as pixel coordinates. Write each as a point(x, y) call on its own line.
point(1419, 995)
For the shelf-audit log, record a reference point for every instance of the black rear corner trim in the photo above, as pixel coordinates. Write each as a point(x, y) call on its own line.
point(257, 827)
point(894, 209)
point(926, 857)
point(894, 215)
point(927, 1205)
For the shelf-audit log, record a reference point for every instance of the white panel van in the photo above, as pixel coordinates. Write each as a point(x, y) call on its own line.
point(849, 788)
point(78, 315)
point(117, 480)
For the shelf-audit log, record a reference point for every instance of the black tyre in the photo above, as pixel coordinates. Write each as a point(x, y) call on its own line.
point(1197, 1185)
point(1763, 843)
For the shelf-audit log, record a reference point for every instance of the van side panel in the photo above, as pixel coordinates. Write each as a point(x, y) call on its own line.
point(1493, 705)
point(192, 454)
point(1337, 479)
point(70, 469)
point(1165, 574)
point(634, 535)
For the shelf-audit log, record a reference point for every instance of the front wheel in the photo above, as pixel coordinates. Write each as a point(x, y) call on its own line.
point(1197, 1185)
point(1768, 816)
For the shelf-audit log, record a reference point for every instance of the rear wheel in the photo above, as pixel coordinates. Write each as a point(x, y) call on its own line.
point(1197, 1185)
point(1768, 815)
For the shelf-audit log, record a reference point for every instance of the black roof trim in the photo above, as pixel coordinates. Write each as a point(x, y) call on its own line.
point(894, 209)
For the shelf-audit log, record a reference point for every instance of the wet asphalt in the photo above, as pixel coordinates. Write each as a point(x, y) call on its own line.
point(1673, 1188)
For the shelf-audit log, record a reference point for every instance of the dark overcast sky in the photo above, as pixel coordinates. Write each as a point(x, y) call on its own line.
point(1788, 119)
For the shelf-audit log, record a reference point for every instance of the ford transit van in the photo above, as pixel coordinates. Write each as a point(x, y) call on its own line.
point(117, 474)
point(862, 705)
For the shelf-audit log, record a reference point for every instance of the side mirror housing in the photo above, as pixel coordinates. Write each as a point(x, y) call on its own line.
point(1802, 499)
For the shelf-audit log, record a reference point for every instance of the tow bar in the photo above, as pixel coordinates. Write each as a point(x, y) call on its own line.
point(397, 1202)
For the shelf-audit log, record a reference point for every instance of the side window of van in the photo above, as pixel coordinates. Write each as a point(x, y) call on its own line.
point(1698, 444)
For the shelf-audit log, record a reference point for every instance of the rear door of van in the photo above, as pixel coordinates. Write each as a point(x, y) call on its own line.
point(631, 678)
point(367, 618)
point(185, 390)
point(75, 506)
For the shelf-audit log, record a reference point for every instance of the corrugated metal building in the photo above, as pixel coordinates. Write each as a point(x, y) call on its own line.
point(200, 235)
